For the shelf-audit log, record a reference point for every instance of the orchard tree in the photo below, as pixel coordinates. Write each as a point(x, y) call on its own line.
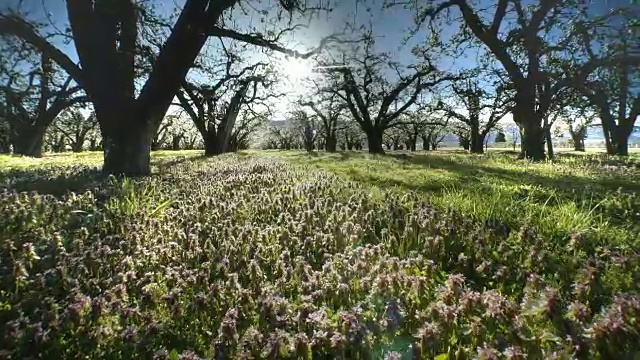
point(34, 92)
point(249, 124)
point(228, 84)
point(612, 89)
point(306, 127)
point(75, 128)
point(328, 108)
point(479, 109)
point(105, 34)
point(374, 100)
point(522, 38)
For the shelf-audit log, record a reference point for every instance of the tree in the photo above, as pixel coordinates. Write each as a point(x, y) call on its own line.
point(250, 122)
point(74, 128)
point(105, 34)
point(612, 89)
point(435, 134)
point(162, 133)
point(370, 95)
point(32, 101)
point(328, 109)
point(214, 105)
point(514, 134)
point(305, 126)
point(500, 137)
point(521, 38)
point(475, 100)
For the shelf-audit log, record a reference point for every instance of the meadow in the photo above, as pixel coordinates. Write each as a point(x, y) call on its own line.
point(289, 255)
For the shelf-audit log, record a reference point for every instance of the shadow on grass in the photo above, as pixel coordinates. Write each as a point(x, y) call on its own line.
point(60, 180)
point(469, 172)
point(55, 182)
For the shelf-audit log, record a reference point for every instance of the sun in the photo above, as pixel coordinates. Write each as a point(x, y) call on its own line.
point(296, 69)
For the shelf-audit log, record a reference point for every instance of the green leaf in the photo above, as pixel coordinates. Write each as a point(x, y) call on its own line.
point(444, 356)
point(173, 354)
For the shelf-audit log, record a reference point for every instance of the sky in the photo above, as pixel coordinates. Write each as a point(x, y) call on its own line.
point(389, 28)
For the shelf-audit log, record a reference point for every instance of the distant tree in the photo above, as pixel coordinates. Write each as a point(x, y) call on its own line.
point(306, 127)
point(370, 94)
point(478, 109)
point(514, 135)
point(522, 36)
point(611, 89)
point(328, 108)
point(500, 137)
point(75, 128)
point(33, 99)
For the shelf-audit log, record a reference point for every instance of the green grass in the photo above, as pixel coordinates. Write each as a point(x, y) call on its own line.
point(583, 194)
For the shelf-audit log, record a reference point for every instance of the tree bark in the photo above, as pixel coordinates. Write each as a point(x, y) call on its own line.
point(548, 140)
point(331, 142)
point(127, 145)
point(477, 141)
point(374, 139)
point(533, 141)
point(425, 143)
point(175, 142)
point(621, 141)
point(210, 144)
point(29, 142)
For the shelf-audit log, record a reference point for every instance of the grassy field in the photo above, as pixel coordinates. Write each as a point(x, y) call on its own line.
point(286, 255)
point(575, 193)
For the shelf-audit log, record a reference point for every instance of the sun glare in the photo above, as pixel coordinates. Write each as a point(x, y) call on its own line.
point(296, 69)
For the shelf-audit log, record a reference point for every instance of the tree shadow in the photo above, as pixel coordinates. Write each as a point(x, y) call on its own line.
point(469, 171)
point(61, 180)
point(52, 181)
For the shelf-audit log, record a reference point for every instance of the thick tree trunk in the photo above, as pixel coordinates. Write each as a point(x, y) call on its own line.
point(476, 145)
point(127, 147)
point(533, 141)
point(374, 139)
point(532, 132)
point(621, 141)
point(93, 145)
point(578, 144)
point(331, 142)
point(210, 144)
point(29, 142)
point(425, 143)
point(77, 146)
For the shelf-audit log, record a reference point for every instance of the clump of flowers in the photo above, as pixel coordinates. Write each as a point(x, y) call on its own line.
point(255, 258)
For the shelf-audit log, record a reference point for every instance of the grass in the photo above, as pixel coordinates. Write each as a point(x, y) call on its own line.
point(584, 194)
point(284, 255)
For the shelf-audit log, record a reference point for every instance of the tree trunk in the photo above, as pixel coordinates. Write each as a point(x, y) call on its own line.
point(578, 144)
point(548, 140)
point(621, 142)
point(77, 146)
point(210, 144)
point(331, 142)
point(532, 144)
point(477, 141)
point(29, 142)
point(93, 145)
point(127, 147)
point(175, 142)
point(425, 143)
point(374, 139)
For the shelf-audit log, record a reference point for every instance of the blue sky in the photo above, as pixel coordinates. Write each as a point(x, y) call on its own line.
point(389, 27)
